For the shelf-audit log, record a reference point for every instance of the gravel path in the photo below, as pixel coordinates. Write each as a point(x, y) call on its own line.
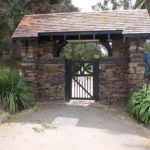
point(73, 126)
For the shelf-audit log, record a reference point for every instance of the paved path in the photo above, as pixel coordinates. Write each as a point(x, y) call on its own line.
point(60, 126)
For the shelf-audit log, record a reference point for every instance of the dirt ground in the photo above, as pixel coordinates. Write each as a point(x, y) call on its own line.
point(73, 126)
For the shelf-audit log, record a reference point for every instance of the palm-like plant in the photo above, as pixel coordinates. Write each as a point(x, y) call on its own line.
point(15, 95)
point(139, 105)
point(142, 4)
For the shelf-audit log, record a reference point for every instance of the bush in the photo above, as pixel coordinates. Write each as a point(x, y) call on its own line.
point(139, 105)
point(14, 93)
point(82, 52)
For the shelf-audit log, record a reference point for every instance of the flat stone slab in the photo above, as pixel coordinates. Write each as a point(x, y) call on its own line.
point(62, 121)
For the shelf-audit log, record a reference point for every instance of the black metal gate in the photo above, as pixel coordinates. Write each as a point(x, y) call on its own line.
point(82, 80)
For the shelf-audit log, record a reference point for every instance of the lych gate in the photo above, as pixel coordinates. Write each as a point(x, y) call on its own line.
point(39, 39)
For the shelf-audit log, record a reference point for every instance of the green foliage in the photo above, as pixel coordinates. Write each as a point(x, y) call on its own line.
point(142, 4)
point(82, 52)
point(139, 105)
point(5, 60)
point(112, 5)
point(124, 4)
point(16, 9)
point(14, 93)
point(147, 47)
point(3, 20)
point(12, 11)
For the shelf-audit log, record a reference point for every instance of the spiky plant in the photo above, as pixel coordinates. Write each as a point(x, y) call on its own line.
point(15, 95)
point(139, 105)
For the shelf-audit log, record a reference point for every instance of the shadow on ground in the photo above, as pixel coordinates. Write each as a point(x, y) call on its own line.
point(114, 120)
point(81, 125)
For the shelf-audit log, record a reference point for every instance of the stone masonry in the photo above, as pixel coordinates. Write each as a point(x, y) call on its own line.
point(136, 67)
point(45, 74)
point(113, 75)
point(123, 73)
point(120, 75)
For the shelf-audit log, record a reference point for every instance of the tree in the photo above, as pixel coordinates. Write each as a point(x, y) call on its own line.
point(142, 4)
point(11, 12)
point(112, 5)
point(18, 8)
point(4, 33)
point(82, 52)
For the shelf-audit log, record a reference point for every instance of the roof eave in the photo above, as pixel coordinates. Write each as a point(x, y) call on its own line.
point(137, 35)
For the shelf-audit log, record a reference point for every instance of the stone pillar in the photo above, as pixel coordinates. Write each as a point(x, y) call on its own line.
point(50, 74)
point(27, 65)
point(136, 65)
point(51, 80)
point(119, 49)
point(43, 72)
point(113, 75)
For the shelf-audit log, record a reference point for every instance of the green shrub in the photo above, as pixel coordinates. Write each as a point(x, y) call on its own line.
point(82, 51)
point(139, 105)
point(14, 93)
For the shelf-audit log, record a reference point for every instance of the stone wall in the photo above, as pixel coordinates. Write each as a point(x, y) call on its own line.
point(113, 81)
point(51, 74)
point(123, 73)
point(120, 75)
point(114, 75)
point(51, 81)
point(136, 66)
point(44, 73)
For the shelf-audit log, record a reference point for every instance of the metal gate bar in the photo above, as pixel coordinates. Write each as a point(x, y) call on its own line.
point(82, 80)
point(84, 89)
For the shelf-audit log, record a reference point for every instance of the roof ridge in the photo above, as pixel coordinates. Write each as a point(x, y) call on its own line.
point(130, 21)
point(88, 12)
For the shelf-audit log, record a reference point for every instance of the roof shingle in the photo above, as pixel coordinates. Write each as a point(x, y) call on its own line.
point(128, 21)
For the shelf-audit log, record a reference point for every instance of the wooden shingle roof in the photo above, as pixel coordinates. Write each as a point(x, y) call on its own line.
point(126, 21)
